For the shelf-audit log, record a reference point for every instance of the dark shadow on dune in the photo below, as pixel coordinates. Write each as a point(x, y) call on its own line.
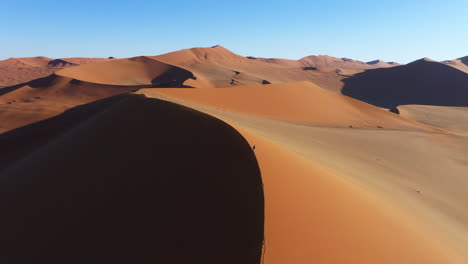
point(310, 68)
point(174, 77)
point(69, 84)
point(145, 181)
point(420, 82)
point(18, 143)
point(464, 60)
point(58, 63)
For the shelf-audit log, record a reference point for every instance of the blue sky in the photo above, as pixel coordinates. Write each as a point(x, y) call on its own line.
point(392, 30)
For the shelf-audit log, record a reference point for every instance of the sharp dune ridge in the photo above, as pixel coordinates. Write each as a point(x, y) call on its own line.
point(424, 82)
point(301, 102)
point(161, 200)
point(205, 156)
point(283, 242)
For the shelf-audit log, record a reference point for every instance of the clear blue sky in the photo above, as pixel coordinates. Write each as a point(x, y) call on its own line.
point(392, 30)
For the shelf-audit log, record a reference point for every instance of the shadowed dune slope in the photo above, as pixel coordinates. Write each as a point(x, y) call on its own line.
point(301, 102)
point(454, 119)
point(49, 96)
point(60, 86)
point(423, 82)
point(19, 142)
point(460, 63)
point(146, 181)
point(133, 71)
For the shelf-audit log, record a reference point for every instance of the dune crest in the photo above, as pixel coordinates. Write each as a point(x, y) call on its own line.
point(145, 190)
point(301, 102)
point(423, 82)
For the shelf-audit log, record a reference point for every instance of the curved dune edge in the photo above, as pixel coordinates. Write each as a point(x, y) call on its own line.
point(313, 215)
point(133, 185)
point(47, 97)
point(297, 102)
point(137, 71)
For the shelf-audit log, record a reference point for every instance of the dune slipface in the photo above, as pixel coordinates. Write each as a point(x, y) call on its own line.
point(423, 82)
point(145, 181)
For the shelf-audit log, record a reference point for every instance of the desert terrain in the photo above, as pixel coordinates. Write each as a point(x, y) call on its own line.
point(206, 156)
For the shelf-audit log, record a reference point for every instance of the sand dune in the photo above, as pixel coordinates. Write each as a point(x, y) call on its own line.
point(454, 119)
point(302, 102)
point(231, 152)
point(312, 213)
point(46, 97)
point(28, 137)
point(382, 64)
point(15, 71)
point(314, 216)
point(328, 61)
point(460, 63)
point(219, 67)
point(212, 67)
point(130, 72)
point(324, 61)
point(138, 186)
point(423, 82)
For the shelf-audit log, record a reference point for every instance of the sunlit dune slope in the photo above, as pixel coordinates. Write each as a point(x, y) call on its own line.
point(460, 63)
point(301, 102)
point(219, 67)
point(133, 71)
point(313, 216)
point(133, 185)
point(454, 119)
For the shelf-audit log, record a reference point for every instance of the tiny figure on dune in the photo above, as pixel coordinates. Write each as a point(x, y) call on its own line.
point(253, 147)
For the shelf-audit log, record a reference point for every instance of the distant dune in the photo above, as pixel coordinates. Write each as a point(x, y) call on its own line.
point(46, 97)
point(205, 156)
point(327, 61)
point(421, 82)
point(382, 64)
point(129, 72)
point(460, 64)
point(20, 70)
point(219, 67)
